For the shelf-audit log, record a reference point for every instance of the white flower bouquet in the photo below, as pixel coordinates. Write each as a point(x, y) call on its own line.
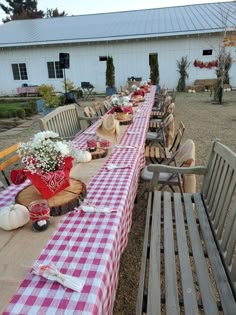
point(48, 161)
point(46, 151)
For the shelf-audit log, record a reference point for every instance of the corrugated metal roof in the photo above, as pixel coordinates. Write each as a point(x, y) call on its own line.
point(161, 22)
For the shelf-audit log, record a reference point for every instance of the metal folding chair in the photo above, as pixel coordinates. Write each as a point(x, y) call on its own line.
point(87, 89)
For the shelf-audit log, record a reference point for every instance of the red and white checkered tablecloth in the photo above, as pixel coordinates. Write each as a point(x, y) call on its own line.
point(89, 245)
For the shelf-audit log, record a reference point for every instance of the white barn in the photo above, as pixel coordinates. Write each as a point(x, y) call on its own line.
point(29, 49)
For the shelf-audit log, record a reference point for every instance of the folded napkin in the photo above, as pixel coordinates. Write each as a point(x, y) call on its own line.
point(125, 147)
point(93, 208)
point(51, 273)
point(133, 132)
point(114, 166)
point(89, 132)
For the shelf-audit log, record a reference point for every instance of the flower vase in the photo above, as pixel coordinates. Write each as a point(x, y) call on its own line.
point(50, 183)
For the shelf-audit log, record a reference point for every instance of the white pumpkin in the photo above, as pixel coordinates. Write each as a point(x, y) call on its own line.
point(13, 216)
point(84, 156)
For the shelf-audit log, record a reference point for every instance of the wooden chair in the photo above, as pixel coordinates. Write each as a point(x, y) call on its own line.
point(8, 157)
point(89, 112)
point(157, 154)
point(107, 105)
point(100, 111)
point(157, 116)
point(66, 121)
point(164, 135)
point(184, 157)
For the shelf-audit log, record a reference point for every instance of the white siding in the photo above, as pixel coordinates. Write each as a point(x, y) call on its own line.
point(131, 58)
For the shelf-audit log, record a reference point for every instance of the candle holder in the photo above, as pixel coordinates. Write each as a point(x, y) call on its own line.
point(39, 214)
point(92, 145)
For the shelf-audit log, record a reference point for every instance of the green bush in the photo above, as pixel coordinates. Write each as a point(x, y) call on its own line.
point(46, 89)
point(79, 93)
point(33, 107)
point(20, 112)
point(5, 114)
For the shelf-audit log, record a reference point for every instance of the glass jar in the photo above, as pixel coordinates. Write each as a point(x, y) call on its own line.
point(39, 214)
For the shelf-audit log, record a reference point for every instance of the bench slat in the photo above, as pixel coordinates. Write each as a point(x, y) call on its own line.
point(154, 301)
point(210, 195)
point(222, 283)
point(208, 299)
point(221, 185)
point(189, 293)
point(171, 289)
point(217, 185)
point(224, 204)
point(229, 239)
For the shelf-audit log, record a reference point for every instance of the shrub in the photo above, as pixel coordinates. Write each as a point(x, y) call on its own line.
point(5, 114)
point(182, 66)
point(20, 112)
point(46, 89)
point(154, 69)
point(68, 85)
point(110, 72)
point(33, 107)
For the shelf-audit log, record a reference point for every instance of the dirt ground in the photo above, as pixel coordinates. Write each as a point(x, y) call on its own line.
point(204, 121)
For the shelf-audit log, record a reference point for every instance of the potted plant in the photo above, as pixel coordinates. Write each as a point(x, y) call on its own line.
point(110, 77)
point(51, 100)
point(71, 92)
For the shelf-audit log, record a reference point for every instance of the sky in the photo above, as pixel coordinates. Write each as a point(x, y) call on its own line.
point(78, 7)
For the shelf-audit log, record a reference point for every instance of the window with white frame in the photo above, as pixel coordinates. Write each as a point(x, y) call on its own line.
point(19, 71)
point(54, 70)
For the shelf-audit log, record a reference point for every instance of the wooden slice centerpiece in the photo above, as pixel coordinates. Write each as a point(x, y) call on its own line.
point(99, 153)
point(61, 203)
point(124, 119)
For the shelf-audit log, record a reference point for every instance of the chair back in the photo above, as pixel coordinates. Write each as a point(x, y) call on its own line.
point(107, 105)
point(169, 130)
point(98, 108)
point(89, 112)
point(178, 138)
point(185, 157)
point(64, 120)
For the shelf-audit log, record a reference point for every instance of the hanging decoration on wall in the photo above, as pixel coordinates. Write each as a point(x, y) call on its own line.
point(230, 39)
point(206, 64)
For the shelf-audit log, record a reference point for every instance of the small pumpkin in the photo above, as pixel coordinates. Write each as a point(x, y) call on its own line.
point(13, 216)
point(84, 156)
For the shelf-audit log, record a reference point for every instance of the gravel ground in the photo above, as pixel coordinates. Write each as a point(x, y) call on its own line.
point(204, 121)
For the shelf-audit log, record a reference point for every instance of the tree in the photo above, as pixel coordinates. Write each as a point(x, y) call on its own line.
point(110, 77)
point(110, 72)
point(21, 9)
point(222, 73)
point(54, 13)
point(154, 69)
point(182, 65)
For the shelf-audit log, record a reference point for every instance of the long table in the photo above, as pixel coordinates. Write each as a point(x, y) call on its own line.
point(88, 245)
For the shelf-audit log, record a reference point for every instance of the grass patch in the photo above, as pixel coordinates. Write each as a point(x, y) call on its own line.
point(17, 109)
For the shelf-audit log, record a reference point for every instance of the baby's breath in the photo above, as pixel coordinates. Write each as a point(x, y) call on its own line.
point(46, 152)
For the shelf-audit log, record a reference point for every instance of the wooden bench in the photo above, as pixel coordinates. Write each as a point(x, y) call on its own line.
point(189, 254)
point(8, 157)
point(64, 120)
